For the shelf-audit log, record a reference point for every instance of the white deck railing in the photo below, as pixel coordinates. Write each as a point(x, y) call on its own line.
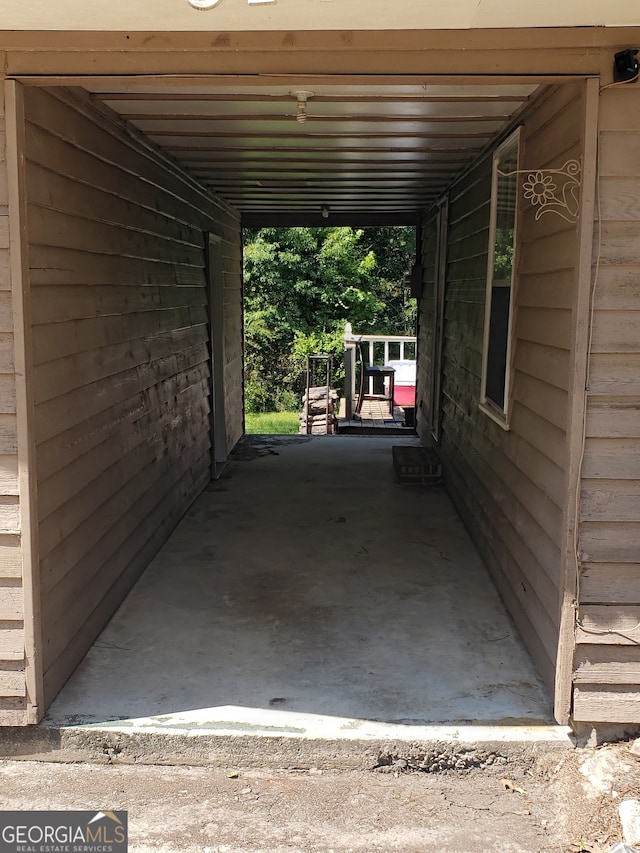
point(376, 355)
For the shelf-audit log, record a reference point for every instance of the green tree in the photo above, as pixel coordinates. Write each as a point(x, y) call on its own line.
point(302, 285)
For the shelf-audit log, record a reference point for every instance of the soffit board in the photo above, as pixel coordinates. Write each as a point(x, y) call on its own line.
point(373, 146)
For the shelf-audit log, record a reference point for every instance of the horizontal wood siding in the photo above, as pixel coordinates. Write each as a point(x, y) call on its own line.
point(510, 485)
point(121, 358)
point(12, 643)
point(607, 666)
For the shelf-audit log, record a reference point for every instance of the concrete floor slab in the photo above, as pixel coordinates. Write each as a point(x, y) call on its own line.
point(308, 594)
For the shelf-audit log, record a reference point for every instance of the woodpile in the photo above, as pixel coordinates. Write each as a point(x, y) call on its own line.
point(318, 418)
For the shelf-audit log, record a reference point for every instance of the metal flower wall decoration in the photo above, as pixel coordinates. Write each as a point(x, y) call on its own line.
point(539, 188)
point(553, 190)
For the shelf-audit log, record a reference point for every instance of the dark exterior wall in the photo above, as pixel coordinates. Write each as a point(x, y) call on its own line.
point(607, 678)
point(121, 379)
point(510, 486)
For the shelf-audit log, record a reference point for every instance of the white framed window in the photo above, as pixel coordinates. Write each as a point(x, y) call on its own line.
point(498, 318)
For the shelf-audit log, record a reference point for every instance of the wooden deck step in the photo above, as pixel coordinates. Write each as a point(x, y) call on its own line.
point(375, 418)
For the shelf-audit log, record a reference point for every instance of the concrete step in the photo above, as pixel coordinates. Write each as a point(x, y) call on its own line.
point(248, 738)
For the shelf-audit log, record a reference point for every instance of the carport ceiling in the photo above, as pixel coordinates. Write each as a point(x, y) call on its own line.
point(366, 145)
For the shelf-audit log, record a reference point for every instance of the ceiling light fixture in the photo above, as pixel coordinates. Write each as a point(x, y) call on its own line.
point(325, 211)
point(302, 96)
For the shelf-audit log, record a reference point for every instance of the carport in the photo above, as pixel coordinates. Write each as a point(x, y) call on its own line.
point(134, 194)
point(132, 164)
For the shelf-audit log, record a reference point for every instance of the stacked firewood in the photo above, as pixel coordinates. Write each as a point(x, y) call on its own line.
point(317, 417)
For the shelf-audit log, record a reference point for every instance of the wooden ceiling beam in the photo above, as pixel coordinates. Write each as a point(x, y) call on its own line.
point(236, 82)
point(292, 204)
point(332, 170)
point(211, 157)
point(468, 151)
point(319, 200)
point(354, 218)
point(322, 198)
point(304, 135)
point(206, 39)
point(283, 178)
point(210, 97)
point(328, 194)
point(315, 118)
point(337, 188)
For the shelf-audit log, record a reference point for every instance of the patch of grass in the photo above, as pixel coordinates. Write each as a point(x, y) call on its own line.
point(272, 423)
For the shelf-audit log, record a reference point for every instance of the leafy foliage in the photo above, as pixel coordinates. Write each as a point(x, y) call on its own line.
point(302, 285)
point(503, 254)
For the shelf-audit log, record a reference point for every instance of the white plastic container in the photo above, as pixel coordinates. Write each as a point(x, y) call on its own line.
point(405, 383)
point(405, 371)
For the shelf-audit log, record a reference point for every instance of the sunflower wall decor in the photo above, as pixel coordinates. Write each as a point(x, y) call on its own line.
point(553, 190)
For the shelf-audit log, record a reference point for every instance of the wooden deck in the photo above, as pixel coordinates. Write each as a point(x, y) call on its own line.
point(374, 419)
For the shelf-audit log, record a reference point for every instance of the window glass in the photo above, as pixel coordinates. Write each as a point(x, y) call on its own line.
point(500, 275)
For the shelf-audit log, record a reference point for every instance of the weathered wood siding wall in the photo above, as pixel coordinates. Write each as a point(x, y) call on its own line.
point(121, 358)
point(607, 675)
point(12, 640)
point(510, 485)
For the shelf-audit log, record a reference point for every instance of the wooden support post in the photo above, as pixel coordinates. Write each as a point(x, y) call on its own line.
point(577, 409)
point(27, 479)
point(349, 371)
point(215, 278)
